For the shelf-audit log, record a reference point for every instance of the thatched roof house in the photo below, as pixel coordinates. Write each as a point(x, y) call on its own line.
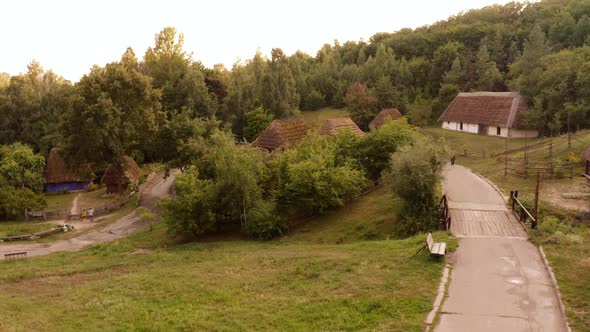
point(60, 178)
point(332, 127)
point(113, 177)
point(383, 116)
point(487, 113)
point(282, 132)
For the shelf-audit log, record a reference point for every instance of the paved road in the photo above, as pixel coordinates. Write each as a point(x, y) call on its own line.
point(155, 188)
point(498, 281)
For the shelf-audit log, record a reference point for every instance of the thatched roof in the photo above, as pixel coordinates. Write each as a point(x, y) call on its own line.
point(586, 154)
point(131, 174)
point(56, 170)
point(332, 127)
point(501, 109)
point(282, 132)
point(383, 116)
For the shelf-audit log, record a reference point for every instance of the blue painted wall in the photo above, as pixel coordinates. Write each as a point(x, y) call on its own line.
point(66, 186)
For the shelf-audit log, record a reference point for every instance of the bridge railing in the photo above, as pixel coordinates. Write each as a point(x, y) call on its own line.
point(521, 211)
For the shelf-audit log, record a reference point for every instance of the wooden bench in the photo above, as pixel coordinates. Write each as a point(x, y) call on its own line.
point(436, 249)
point(15, 255)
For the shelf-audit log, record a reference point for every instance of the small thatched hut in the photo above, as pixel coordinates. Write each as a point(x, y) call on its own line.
point(59, 178)
point(117, 180)
point(282, 132)
point(586, 159)
point(332, 127)
point(383, 116)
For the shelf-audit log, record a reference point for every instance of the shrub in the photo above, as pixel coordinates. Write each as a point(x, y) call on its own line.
point(264, 222)
point(91, 187)
point(414, 176)
point(310, 179)
point(256, 121)
point(314, 100)
point(377, 148)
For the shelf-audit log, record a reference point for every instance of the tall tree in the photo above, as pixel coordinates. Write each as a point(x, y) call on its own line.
point(116, 110)
point(363, 106)
point(281, 97)
point(488, 76)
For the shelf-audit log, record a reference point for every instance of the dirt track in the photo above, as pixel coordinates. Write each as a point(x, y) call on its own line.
point(154, 189)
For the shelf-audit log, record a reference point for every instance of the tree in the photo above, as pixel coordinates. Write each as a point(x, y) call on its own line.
point(311, 180)
point(280, 94)
point(455, 75)
point(488, 76)
point(389, 95)
point(116, 110)
point(526, 70)
point(256, 122)
point(21, 168)
point(415, 175)
point(377, 148)
point(361, 104)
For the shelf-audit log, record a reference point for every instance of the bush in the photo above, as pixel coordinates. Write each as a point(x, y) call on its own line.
point(264, 222)
point(314, 100)
point(377, 148)
point(414, 176)
point(256, 121)
point(311, 179)
point(14, 202)
point(91, 187)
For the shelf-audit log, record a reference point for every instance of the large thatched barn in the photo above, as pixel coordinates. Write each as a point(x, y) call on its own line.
point(384, 116)
point(282, 132)
point(487, 113)
point(332, 127)
point(59, 178)
point(117, 181)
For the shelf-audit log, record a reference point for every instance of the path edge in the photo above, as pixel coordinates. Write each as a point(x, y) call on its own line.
point(556, 288)
point(442, 288)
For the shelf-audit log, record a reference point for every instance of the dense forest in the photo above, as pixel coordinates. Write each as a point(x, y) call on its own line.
point(167, 106)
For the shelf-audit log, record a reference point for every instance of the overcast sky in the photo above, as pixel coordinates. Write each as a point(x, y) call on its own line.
point(70, 36)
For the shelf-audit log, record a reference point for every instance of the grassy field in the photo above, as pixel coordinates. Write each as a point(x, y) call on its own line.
point(86, 199)
point(325, 276)
point(11, 228)
point(368, 218)
point(316, 118)
point(568, 251)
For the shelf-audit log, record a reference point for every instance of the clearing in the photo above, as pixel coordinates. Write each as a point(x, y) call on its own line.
point(301, 282)
point(316, 118)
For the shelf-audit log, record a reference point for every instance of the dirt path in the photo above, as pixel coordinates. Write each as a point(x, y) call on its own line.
point(154, 189)
point(498, 281)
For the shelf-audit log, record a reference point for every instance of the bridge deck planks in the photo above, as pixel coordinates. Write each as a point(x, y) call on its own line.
point(485, 223)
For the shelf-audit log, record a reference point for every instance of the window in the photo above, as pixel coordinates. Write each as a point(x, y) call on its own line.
point(498, 131)
point(460, 125)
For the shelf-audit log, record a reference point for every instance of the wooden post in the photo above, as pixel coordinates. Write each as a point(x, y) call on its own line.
point(551, 158)
point(506, 157)
point(536, 212)
point(465, 152)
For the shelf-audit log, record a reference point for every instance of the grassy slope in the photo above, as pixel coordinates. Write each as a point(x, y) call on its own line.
point(569, 259)
point(316, 118)
point(10, 228)
point(368, 218)
point(86, 200)
point(301, 282)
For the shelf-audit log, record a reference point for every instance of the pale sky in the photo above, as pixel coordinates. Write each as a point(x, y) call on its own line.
point(71, 36)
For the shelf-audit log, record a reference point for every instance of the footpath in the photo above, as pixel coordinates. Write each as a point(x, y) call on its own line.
point(498, 280)
point(157, 188)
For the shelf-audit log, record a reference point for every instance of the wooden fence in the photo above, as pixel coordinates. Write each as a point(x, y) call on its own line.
point(521, 211)
point(444, 218)
point(67, 214)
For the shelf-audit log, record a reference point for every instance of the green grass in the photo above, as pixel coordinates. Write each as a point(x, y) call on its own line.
point(226, 286)
point(94, 198)
point(302, 282)
point(568, 252)
point(60, 201)
point(368, 218)
point(11, 228)
point(316, 118)
point(86, 199)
